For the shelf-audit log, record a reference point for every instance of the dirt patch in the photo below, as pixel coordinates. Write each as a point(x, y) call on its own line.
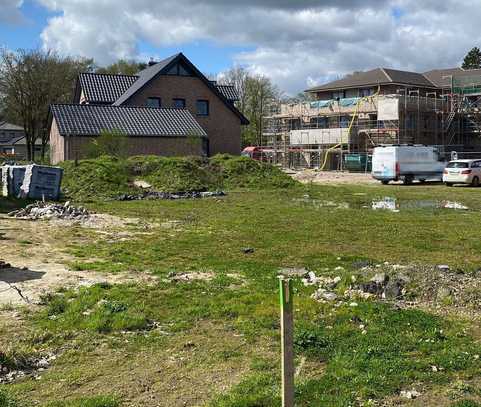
point(104, 221)
point(331, 177)
point(36, 253)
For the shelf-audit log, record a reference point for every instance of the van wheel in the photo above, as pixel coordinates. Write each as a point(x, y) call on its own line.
point(384, 182)
point(408, 179)
point(448, 184)
point(475, 182)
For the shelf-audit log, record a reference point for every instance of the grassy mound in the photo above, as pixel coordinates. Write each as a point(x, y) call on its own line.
point(107, 177)
point(175, 174)
point(103, 177)
point(243, 172)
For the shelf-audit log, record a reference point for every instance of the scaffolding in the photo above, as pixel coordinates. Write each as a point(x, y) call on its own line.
point(324, 134)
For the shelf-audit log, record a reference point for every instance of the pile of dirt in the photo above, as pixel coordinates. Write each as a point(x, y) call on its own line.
point(108, 177)
point(435, 287)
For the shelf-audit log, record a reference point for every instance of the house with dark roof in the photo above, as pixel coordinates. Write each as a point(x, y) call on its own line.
point(387, 81)
point(170, 108)
point(12, 141)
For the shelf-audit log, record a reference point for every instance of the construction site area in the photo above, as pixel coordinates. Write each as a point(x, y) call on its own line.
point(346, 119)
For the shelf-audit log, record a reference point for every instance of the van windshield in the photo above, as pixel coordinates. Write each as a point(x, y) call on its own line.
point(458, 164)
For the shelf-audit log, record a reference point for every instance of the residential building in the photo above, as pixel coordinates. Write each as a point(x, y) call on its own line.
point(381, 106)
point(13, 144)
point(169, 108)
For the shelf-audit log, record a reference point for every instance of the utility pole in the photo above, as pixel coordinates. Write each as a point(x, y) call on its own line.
point(287, 341)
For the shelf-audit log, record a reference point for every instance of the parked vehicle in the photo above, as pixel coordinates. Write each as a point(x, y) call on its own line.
point(407, 163)
point(462, 172)
point(252, 152)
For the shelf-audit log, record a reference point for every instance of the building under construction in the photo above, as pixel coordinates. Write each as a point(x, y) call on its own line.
point(347, 118)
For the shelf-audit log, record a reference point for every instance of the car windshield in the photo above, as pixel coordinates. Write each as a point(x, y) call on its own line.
point(458, 164)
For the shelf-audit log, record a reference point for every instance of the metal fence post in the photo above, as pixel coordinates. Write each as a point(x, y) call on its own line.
point(287, 341)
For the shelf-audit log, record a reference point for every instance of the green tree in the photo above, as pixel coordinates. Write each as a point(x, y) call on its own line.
point(123, 67)
point(472, 60)
point(31, 80)
point(256, 96)
point(110, 142)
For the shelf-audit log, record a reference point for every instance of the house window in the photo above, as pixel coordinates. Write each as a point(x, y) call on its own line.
point(179, 103)
point(339, 95)
point(365, 92)
point(203, 108)
point(153, 102)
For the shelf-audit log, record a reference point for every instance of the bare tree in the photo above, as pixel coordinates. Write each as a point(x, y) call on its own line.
point(30, 80)
point(256, 94)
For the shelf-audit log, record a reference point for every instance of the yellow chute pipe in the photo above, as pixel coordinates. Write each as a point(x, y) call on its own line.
point(350, 124)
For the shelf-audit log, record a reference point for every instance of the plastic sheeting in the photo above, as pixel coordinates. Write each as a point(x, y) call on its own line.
point(321, 103)
point(348, 102)
point(388, 108)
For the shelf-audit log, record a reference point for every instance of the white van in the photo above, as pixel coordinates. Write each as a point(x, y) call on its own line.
point(407, 163)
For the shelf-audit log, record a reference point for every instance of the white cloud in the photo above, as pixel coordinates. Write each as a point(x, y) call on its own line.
point(10, 12)
point(296, 43)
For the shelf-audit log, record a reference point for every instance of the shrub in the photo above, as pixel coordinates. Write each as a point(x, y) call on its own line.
point(113, 143)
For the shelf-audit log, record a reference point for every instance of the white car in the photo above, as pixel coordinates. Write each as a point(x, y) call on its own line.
point(462, 172)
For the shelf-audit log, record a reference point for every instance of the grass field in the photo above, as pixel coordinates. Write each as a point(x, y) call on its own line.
point(214, 340)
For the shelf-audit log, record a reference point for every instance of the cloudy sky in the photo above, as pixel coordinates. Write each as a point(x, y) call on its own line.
point(297, 43)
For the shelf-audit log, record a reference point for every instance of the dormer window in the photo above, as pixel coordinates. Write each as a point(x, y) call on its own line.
point(153, 102)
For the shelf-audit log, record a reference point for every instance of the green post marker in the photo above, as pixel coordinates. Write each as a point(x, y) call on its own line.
point(287, 341)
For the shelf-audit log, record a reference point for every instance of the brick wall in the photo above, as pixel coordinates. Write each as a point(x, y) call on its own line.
point(57, 144)
point(71, 148)
point(222, 125)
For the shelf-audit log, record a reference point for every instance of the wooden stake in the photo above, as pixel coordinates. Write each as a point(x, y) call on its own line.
point(287, 345)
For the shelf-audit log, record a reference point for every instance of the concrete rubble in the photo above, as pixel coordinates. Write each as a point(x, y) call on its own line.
point(33, 366)
point(169, 195)
point(46, 210)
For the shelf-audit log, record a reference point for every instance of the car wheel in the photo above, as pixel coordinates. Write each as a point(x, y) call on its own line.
point(384, 182)
point(448, 184)
point(422, 181)
point(408, 179)
point(475, 182)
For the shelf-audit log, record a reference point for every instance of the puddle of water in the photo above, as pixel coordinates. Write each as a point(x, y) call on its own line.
point(320, 203)
point(386, 203)
point(394, 205)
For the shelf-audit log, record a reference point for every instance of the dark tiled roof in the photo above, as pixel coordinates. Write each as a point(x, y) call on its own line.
point(409, 78)
point(10, 127)
point(378, 76)
point(442, 77)
point(91, 120)
point(104, 88)
point(228, 91)
point(8, 140)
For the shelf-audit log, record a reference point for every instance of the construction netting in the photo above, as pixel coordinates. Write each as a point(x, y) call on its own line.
point(466, 85)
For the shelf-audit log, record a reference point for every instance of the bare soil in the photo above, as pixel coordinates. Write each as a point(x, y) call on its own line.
point(38, 259)
point(331, 177)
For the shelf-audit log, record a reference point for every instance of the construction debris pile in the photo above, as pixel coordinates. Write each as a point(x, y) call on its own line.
point(33, 366)
point(414, 283)
point(46, 210)
point(169, 195)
